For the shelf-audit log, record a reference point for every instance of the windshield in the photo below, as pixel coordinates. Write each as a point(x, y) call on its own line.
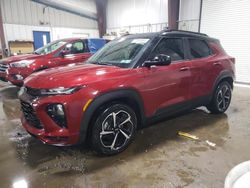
point(51, 47)
point(121, 52)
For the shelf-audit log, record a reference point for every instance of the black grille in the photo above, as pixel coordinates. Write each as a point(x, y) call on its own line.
point(33, 92)
point(30, 115)
point(3, 67)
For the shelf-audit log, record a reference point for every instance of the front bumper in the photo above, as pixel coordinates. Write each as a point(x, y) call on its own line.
point(52, 133)
point(60, 137)
point(14, 74)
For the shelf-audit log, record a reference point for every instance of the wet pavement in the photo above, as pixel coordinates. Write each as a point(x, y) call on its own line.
point(158, 157)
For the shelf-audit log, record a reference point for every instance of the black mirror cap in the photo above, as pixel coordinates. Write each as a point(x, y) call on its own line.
point(159, 60)
point(62, 53)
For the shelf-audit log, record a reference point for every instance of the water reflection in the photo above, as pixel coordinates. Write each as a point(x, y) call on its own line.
point(22, 183)
point(76, 159)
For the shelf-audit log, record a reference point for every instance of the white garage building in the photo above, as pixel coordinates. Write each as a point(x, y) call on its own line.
point(227, 20)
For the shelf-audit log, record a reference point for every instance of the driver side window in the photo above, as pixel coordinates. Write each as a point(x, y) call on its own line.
point(75, 48)
point(172, 47)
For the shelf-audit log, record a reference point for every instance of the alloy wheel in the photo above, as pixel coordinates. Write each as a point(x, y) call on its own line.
point(117, 129)
point(223, 98)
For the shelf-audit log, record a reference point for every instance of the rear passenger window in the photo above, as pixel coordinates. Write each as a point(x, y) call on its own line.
point(170, 46)
point(198, 48)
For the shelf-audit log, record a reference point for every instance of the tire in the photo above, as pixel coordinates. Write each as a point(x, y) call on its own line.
point(109, 137)
point(221, 98)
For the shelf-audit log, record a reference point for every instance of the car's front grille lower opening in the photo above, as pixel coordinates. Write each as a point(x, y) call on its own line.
point(30, 115)
point(3, 67)
point(33, 92)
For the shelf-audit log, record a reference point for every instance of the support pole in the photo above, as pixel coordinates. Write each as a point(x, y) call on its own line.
point(173, 14)
point(101, 6)
point(201, 3)
point(2, 38)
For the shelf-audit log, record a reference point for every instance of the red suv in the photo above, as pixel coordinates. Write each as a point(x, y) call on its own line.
point(126, 84)
point(58, 53)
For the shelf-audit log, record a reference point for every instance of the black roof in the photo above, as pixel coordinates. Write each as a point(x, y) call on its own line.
point(175, 33)
point(182, 32)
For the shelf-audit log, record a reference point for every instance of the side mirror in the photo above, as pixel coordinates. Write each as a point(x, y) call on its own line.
point(63, 53)
point(159, 60)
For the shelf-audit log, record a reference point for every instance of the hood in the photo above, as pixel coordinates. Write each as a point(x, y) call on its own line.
point(81, 74)
point(20, 57)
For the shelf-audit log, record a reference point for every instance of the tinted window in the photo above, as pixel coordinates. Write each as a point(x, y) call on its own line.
point(172, 47)
point(75, 48)
point(198, 48)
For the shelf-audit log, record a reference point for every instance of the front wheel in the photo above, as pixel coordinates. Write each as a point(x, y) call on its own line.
point(113, 129)
point(221, 98)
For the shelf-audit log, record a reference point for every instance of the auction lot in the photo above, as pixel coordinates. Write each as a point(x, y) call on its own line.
point(158, 157)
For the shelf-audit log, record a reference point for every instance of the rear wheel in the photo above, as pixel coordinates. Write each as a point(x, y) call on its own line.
point(113, 129)
point(221, 98)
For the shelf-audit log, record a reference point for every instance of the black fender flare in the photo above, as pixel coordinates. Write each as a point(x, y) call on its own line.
point(223, 74)
point(104, 98)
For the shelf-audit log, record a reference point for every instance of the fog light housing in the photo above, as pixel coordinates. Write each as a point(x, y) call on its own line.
point(18, 77)
point(57, 114)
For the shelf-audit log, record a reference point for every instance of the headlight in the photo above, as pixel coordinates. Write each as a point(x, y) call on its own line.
point(60, 90)
point(22, 63)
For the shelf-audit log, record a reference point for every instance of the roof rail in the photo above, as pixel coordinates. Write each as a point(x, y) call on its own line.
point(183, 31)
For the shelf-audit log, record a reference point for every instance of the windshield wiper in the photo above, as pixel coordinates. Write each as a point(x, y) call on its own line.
point(36, 53)
point(100, 63)
point(94, 62)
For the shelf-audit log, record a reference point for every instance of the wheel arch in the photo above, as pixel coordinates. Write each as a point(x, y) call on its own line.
point(224, 76)
point(129, 97)
point(229, 80)
point(212, 106)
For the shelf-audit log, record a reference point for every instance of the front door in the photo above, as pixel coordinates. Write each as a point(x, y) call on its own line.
point(41, 38)
point(75, 52)
point(168, 85)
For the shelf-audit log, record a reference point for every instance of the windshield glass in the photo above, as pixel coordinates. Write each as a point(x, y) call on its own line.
point(121, 52)
point(51, 47)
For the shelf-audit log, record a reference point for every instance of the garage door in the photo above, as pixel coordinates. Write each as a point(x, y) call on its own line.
point(229, 21)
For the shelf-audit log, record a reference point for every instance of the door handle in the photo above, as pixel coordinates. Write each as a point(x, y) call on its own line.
point(184, 68)
point(216, 63)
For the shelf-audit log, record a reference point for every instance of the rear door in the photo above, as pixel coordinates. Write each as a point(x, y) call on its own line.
point(204, 67)
point(168, 85)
